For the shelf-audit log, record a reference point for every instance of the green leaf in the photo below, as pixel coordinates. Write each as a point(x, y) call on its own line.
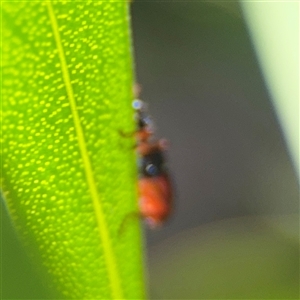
point(274, 30)
point(69, 178)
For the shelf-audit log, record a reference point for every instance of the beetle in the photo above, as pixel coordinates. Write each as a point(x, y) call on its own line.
point(154, 185)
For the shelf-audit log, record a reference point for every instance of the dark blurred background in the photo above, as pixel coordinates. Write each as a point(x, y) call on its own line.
point(207, 96)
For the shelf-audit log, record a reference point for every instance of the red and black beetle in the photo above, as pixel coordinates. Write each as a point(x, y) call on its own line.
point(155, 190)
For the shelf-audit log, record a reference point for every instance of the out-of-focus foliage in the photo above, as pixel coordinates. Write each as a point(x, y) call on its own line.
point(274, 29)
point(246, 258)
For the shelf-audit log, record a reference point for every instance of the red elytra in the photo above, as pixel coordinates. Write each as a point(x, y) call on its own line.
point(155, 196)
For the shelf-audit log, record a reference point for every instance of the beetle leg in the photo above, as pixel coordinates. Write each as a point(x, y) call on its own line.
point(137, 88)
point(163, 144)
point(126, 134)
point(128, 217)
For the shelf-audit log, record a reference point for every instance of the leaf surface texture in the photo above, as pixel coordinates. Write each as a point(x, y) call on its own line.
point(68, 175)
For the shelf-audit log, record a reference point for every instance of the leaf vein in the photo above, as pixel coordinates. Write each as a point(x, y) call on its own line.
point(102, 226)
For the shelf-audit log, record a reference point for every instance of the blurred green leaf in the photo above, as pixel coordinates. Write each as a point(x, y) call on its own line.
point(68, 176)
point(274, 30)
point(242, 258)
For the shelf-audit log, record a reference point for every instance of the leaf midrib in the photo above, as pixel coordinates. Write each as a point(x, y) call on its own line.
point(109, 257)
